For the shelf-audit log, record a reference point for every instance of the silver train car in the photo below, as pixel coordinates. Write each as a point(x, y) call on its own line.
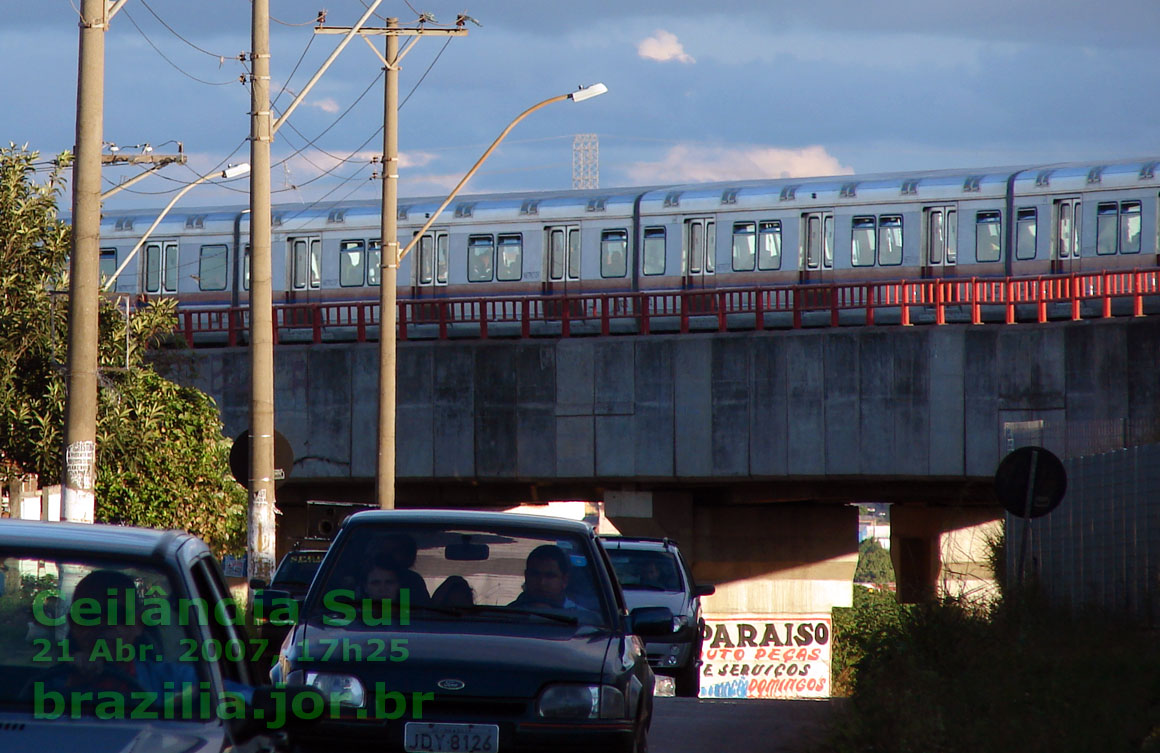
point(1002, 222)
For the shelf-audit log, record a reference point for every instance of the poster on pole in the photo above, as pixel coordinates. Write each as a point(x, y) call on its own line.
point(766, 656)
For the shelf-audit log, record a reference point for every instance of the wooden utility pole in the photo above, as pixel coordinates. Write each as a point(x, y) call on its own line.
point(79, 464)
point(261, 538)
point(389, 245)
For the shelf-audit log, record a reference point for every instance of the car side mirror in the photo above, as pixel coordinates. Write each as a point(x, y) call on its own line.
point(704, 590)
point(276, 607)
point(646, 621)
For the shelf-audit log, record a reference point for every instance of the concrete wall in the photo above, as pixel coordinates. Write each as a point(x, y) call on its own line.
point(890, 403)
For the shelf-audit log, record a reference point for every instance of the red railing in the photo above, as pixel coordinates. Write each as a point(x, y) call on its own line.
point(934, 301)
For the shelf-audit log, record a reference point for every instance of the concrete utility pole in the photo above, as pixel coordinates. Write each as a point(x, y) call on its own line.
point(260, 543)
point(389, 245)
point(79, 467)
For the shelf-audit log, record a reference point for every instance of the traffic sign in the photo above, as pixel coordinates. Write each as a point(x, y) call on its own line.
point(1030, 482)
point(240, 459)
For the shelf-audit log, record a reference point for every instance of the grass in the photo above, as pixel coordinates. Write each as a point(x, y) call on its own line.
point(1017, 675)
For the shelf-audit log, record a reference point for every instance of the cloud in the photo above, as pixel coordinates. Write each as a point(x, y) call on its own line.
point(663, 47)
point(695, 164)
point(327, 104)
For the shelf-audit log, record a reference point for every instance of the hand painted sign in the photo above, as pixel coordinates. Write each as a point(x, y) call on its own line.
point(766, 656)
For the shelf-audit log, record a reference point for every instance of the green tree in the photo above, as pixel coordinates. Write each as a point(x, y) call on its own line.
point(874, 565)
point(162, 459)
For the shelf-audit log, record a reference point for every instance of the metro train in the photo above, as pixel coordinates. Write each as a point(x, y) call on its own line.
point(1019, 221)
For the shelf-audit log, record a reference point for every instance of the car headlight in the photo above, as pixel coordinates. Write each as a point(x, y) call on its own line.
point(680, 621)
point(345, 689)
point(581, 702)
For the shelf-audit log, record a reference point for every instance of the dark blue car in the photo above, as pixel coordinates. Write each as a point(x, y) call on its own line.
point(430, 630)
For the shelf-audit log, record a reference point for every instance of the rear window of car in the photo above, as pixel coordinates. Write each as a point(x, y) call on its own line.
point(298, 568)
point(646, 570)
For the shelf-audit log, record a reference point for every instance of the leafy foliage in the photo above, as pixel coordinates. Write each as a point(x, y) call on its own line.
point(874, 565)
point(162, 460)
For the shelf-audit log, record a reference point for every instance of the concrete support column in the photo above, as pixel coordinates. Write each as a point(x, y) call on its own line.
point(942, 551)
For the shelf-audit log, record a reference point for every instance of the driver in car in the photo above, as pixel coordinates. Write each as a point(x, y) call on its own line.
point(546, 580)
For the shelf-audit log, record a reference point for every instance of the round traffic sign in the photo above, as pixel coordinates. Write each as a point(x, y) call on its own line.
point(1033, 468)
point(240, 459)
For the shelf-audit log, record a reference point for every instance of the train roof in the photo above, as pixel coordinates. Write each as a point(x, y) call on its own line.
point(934, 185)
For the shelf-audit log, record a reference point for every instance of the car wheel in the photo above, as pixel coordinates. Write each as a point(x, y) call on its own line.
point(688, 681)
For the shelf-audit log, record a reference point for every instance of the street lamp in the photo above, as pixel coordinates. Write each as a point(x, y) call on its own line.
point(233, 171)
point(581, 94)
point(388, 347)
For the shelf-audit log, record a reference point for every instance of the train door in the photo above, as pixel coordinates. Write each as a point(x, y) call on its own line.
point(305, 268)
point(1065, 226)
point(431, 261)
point(816, 260)
point(160, 265)
point(700, 250)
point(561, 259)
point(939, 241)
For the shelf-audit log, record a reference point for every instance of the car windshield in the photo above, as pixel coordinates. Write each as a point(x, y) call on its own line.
point(462, 573)
point(298, 568)
point(79, 634)
point(646, 570)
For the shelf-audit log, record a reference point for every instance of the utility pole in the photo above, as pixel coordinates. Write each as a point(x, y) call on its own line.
point(261, 541)
point(388, 278)
point(389, 245)
point(79, 467)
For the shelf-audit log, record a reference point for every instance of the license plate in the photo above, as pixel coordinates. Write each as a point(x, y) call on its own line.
point(422, 737)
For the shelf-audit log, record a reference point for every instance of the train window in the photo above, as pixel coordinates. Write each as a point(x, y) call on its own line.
point(813, 241)
point(108, 264)
point(442, 257)
point(1107, 217)
point(246, 268)
point(769, 245)
point(862, 240)
point(744, 246)
point(1025, 222)
point(351, 261)
point(161, 268)
point(426, 266)
point(890, 240)
point(696, 246)
point(306, 258)
point(614, 253)
point(828, 240)
point(511, 258)
point(557, 253)
point(952, 236)
point(374, 261)
point(1129, 227)
point(935, 236)
point(574, 253)
point(988, 235)
point(654, 251)
point(213, 267)
point(480, 256)
point(1066, 229)
point(563, 248)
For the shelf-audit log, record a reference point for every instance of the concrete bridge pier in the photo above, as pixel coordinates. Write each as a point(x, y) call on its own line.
point(771, 558)
point(942, 551)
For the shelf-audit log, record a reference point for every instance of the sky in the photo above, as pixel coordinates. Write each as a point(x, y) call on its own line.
point(729, 90)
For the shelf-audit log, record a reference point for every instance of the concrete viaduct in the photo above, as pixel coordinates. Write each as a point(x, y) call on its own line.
point(748, 448)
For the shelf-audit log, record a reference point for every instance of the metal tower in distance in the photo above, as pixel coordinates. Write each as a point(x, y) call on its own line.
point(585, 161)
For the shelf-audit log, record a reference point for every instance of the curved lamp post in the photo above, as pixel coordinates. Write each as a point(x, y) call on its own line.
point(579, 95)
point(233, 171)
point(385, 468)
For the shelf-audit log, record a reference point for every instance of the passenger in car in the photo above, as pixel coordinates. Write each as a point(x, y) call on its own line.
point(400, 550)
point(546, 580)
point(453, 592)
point(382, 581)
